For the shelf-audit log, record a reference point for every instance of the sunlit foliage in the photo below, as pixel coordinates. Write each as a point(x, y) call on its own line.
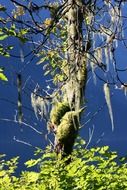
point(94, 169)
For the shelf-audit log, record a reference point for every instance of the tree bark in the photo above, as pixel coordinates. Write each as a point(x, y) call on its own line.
point(74, 88)
point(76, 58)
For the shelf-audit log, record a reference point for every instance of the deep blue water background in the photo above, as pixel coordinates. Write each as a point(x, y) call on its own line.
point(103, 135)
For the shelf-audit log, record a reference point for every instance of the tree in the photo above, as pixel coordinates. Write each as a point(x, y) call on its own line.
point(77, 38)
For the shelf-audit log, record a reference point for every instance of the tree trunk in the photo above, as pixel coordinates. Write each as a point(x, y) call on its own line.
point(76, 60)
point(74, 88)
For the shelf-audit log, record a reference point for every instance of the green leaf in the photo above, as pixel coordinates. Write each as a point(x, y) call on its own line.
point(23, 31)
point(23, 39)
point(32, 177)
point(1, 69)
point(103, 149)
point(2, 155)
point(13, 27)
point(10, 47)
point(3, 37)
point(32, 162)
point(2, 173)
point(6, 54)
point(3, 77)
point(1, 32)
point(2, 8)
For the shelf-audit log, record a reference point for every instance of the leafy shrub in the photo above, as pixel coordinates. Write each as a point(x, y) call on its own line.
point(94, 169)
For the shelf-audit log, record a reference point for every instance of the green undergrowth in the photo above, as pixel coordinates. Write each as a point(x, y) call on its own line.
point(94, 169)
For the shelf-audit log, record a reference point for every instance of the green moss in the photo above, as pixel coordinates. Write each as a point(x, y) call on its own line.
point(68, 126)
point(67, 131)
point(58, 112)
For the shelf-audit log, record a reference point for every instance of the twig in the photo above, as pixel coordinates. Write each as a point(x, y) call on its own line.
point(11, 102)
point(29, 77)
point(96, 112)
point(22, 123)
point(100, 138)
point(91, 132)
point(23, 142)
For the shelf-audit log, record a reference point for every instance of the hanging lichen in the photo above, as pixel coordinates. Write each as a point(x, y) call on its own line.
point(40, 105)
point(124, 88)
point(106, 50)
point(93, 67)
point(108, 101)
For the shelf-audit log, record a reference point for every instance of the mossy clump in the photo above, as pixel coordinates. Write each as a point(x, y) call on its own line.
point(67, 131)
point(58, 111)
